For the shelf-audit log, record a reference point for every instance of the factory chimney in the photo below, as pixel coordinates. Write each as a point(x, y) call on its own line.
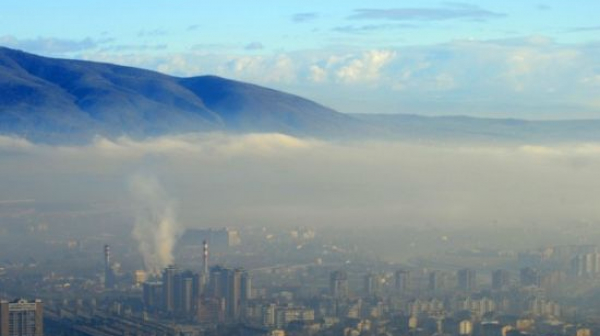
point(109, 278)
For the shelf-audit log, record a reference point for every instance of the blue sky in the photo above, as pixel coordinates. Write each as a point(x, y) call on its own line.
point(524, 59)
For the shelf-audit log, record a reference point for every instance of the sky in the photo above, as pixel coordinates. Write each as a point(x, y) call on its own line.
point(517, 58)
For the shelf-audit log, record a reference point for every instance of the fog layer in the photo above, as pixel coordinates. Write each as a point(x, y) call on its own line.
point(274, 179)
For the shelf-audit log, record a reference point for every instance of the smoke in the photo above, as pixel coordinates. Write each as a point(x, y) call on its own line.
point(155, 229)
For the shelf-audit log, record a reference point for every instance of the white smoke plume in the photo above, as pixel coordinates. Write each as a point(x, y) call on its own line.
point(156, 229)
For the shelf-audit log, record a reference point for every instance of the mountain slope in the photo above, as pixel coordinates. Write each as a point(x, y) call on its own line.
point(44, 98)
point(59, 100)
point(248, 107)
point(48, 99)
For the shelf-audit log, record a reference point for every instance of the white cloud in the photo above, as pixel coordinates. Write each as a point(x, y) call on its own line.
point(525, 66)
point(318, 74)
point(366, 68)
point(528, 77)
point(275, 69)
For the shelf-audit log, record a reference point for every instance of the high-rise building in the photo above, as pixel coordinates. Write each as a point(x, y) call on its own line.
point(530, 277)
point(185, 292)
point(467, 279)
point(168, 280)
point(233, 294)
point(372, 284)
point(338, 284)
point(232, 285)
point(401, 281)
point(180, 291)
point(217, 281)
point(21, 318)
point(436, 281)
point(268, 314)
point(246, 287)
point(587, 264)
point(500, 279)
point(152, 294)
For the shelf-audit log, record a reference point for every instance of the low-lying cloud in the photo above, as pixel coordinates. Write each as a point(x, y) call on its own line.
point(274, 179)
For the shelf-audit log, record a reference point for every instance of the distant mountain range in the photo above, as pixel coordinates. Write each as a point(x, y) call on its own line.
point(63, 101)
point(492, 130)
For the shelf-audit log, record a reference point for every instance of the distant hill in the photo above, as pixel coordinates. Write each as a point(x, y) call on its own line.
point(65, 101)
point(56, 100)
point(463, 128)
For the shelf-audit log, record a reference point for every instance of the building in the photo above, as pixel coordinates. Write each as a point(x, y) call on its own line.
point(436, 281)
point(338, 284)
point(467, 279)
point(268, 315)
point(372, 284)
point(180, 291)
point(287, 315)
point(185, 292)
point(500, 279)
point(152, 294)
point(530, 277)
point(587, 264)
point(465, 327)
point(21, 318)
point(477, 306)
point(433, 307)
point(402, 281)
point(234, 287)
point(168, 280)
point(233, 294)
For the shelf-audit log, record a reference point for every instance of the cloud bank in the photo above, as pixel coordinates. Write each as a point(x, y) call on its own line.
point(527, 77)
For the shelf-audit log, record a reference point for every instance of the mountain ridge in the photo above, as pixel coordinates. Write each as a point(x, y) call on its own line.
point(56, 100)
point(48, 98)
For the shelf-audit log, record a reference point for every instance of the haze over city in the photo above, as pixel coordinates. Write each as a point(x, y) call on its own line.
point(306, 168)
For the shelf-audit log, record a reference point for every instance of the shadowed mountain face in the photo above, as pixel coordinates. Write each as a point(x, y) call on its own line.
point(65, 101)
point(57, 100)
point(251, 108)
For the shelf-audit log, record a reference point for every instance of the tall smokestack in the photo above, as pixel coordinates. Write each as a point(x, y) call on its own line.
point(109, 279)
point(205, 258)
point(204, 273)
point(106, 257)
